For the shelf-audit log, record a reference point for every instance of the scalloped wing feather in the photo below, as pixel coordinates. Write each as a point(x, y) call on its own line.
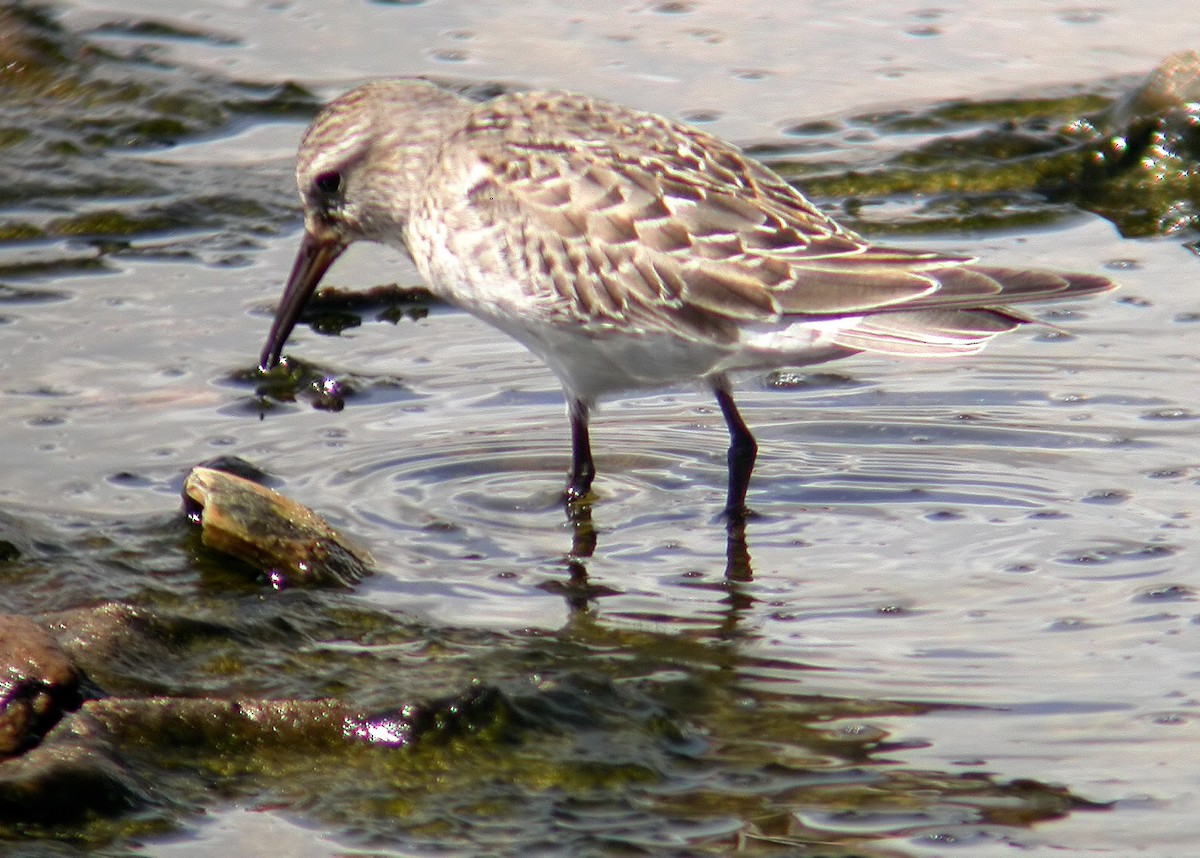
point(626, 220)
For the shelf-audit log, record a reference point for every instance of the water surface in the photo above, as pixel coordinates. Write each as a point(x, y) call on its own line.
point(971, 615)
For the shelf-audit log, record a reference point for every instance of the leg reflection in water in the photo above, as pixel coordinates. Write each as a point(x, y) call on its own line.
point(580, 592)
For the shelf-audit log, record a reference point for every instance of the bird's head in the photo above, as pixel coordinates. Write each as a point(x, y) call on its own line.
point(361, 167)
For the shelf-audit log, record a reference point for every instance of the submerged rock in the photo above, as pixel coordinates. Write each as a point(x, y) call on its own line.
point(38, 683)
point(477, 710)
point(1126, 150)
point(290, 543)
point(1144, 158)
point(1166, 104)
point(76, 774)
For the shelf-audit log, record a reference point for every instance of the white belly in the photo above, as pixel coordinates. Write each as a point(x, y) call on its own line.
point(595, 360)
point(593, 365)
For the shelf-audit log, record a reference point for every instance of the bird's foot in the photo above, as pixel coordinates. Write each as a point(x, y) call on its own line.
point(574, 497)
point(583, 531)
point(578, 504)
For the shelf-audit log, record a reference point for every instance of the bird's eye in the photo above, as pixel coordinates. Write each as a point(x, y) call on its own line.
point(328, 183)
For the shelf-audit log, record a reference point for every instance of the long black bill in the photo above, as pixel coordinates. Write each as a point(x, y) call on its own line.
point(312, 261)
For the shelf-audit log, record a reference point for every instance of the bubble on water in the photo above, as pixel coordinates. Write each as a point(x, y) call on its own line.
point(1106, 496)
point(673, 7)
point(700, 116)
point(1117, 553)
point(1168, 593)
point(1054, 336)
point(891, 72)
point(709, 37)
point(812, 129)
point(1181, 472)
point(1170, 414)
point(791, 380)
point(1082, 15)
point(1134, 301)
point(1169, 719)
point(752, 74)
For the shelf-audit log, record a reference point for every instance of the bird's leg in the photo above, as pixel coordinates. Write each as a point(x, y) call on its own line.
point(583, 470)
point(743, 450)
point(737, 554)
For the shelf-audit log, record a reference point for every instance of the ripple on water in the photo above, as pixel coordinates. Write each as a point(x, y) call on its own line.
point(977, 532)
point(472, 467)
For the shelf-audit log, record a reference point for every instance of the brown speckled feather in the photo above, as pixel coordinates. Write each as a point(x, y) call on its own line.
point(620, 219)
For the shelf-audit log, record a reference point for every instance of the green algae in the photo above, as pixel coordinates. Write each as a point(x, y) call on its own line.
point(18, 231)
point(586, 723)
point(1130, 153)
point(434, 737)
point(76, 112)
point(109, 222)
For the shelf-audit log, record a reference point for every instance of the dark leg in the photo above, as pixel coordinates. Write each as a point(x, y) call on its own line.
point(737, 554)
point(742, 452)
point(583, 470)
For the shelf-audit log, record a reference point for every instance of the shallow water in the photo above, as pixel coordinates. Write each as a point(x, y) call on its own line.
point(967, 575)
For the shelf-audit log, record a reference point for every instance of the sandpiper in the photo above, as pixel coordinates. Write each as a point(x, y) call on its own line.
point(626, 250)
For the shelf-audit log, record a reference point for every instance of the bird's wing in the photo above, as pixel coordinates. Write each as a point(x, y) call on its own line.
point(618, 218)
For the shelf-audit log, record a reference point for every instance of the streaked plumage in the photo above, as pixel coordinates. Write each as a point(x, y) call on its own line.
point(625, 249)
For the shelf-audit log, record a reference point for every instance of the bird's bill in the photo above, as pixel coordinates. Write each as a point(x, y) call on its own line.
point(315, 256)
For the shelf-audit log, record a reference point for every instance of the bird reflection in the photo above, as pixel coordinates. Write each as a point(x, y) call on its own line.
point(580, 593)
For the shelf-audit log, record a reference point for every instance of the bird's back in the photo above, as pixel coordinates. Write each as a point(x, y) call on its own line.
point(593, 215)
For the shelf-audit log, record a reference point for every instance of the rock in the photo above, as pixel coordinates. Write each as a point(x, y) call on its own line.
point(1142, 169)
point(290, 543)
point(38, 683)
point(478, 709)
point(1169, 96)
point(73, 775)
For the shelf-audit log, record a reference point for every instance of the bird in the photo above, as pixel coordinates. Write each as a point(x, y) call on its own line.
point(626, 250)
